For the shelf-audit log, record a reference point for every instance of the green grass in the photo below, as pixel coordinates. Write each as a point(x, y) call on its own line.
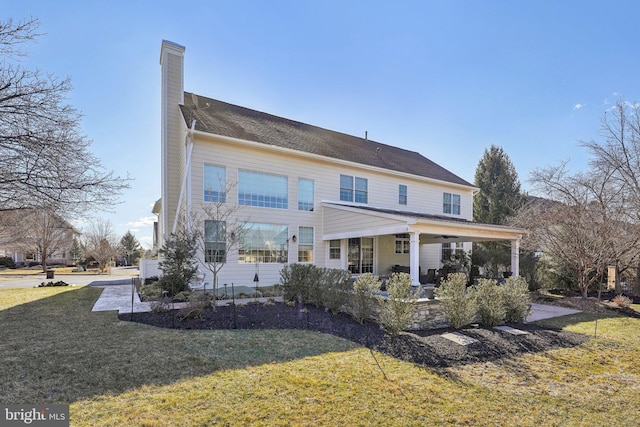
point(116, 373)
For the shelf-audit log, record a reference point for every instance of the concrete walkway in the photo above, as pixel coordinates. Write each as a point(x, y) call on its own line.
point(122, 298)
point(119, 297)
point(544, 311)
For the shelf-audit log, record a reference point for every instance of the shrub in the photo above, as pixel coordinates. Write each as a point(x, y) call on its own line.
point(363, 300)
point(622, 301)
point(312, 285)
point(336, 285)
point(293, 278)
point(172, 284)
point(161, 305)
point(179, 264)
point(151, 291)
point(196, 304)
point(271, 291)
point(516, 299)
point(458, 304)
point(7, 261)
point(490, 301)
point(397, 311)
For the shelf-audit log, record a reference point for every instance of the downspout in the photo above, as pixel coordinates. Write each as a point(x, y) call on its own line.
point(186, 176)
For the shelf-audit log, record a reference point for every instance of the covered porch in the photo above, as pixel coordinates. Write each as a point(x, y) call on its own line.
point(371, 234)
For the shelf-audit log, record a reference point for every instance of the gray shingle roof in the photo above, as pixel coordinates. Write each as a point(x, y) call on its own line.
point(230, 120)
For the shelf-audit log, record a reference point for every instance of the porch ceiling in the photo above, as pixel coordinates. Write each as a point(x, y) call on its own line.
point(342, 221)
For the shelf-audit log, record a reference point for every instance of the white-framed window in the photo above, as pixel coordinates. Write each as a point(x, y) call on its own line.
point(305, 244)
point(354, 189)
point(264, 243)
point(402, 243)
point(334, 249)
point(215, 183)
point(402, 194)
point(262, 189)
point(305, 194)
point(346, 188)
point(448, 249)
point(451, 203)
point(215, 246)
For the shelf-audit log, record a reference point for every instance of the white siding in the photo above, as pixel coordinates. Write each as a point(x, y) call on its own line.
point(423, 196)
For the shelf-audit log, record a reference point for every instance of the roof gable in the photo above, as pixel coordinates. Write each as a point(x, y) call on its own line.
point(233, 121)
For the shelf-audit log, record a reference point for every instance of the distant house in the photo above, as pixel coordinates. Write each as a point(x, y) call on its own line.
point(27, 234)
point(310, 195)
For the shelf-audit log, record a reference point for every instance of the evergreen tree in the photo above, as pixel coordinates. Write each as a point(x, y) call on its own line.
point(179, 265)
point(131, 249)
point(499, 198)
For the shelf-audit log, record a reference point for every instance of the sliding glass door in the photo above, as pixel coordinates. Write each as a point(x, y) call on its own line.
point(360, 255)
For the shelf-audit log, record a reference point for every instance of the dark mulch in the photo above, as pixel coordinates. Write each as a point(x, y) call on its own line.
point(426, 347)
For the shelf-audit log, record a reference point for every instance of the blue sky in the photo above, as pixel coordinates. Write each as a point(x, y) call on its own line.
point(444, 78)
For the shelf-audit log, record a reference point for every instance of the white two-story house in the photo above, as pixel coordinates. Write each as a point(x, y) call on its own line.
point(308, 194)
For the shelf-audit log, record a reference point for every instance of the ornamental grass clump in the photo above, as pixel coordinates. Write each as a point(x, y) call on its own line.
point(458, 303)
point(397, 311)
point(490, 300)
point(516, 299)
point(364, 299)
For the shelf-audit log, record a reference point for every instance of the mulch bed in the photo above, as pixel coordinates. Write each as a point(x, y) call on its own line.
point(426, 348)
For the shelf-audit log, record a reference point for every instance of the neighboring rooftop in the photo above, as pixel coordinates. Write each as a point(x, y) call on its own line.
point(220, 118)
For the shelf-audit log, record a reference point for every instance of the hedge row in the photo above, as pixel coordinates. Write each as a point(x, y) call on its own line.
point(333, 289)
point(487, 302)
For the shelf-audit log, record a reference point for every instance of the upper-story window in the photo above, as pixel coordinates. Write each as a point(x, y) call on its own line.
point(262, 189)
point(451, 203)
point(353, 189)
point(215, 183)
point(402, 194)
point(305, 194)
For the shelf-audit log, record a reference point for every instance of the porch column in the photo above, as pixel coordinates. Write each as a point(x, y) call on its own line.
point(414, 258)
point(515, 257)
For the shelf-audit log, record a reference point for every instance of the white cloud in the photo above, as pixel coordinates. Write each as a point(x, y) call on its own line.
point(146, 242)
point(145, 221)
point(579, 106)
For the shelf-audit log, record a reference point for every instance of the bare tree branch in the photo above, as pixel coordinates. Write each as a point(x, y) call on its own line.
point(45, 160)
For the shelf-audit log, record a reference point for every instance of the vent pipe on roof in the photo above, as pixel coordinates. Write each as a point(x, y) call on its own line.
point(366, 135)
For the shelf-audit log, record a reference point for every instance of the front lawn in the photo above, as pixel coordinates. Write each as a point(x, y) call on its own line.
point(116, 373)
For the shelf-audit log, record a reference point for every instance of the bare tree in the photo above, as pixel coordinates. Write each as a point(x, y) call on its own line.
point(43, 232)
point(619, 151)
point(100, 242)
point(582, 223)
point(219, 230)
point(45, 160)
